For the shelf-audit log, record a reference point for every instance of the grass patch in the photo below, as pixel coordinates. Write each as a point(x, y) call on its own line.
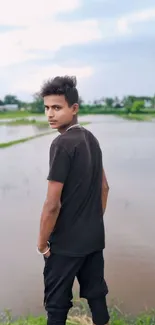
point(14, 142)
point(138, 117)
point(80, 317)
point(117, 318)
point(16, 114)
point(143, 116)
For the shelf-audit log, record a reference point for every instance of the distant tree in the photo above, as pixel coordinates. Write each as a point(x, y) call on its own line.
point(10, 99)
point(117, 102)
point(37, 105)
point(109, 102)
point(137, 106)
point(22, 104)
point(1, 102)
point(81, 101)
point(133, 98)
point(98, 102)
point(127, 101)
point(153, 102)
point(95, 102)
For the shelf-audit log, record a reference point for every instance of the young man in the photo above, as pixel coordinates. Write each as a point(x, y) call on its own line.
point(71, 236)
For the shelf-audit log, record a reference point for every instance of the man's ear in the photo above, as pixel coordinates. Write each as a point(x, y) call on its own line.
point(75, 108)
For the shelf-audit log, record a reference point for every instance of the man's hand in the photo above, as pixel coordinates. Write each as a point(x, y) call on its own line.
point(47, 254)
point(46, 249)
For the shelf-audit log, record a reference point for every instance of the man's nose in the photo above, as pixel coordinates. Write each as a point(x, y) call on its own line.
point(50, 112)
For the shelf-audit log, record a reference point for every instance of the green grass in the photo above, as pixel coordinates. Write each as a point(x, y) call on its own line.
point(145, 115)
point(118, 318)
point(81, 318)
point(138, 117)
point(16, 114)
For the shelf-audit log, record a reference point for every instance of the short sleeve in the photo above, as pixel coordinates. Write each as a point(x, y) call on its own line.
point(59, 164)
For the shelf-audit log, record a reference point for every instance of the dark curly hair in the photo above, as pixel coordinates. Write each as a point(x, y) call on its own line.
point(61, 86)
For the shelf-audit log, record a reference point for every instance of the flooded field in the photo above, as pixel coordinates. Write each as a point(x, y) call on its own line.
point(16, 132)
point(129, 160)
point(11, 133)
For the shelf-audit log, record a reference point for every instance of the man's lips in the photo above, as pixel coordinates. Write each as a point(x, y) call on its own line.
point(52, 122)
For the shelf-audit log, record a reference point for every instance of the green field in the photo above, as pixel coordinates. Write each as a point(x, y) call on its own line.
point(16, 114)
point(148, 116)
point(138, 117)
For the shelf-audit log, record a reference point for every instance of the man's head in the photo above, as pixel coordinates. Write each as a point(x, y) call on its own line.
point(60, 98)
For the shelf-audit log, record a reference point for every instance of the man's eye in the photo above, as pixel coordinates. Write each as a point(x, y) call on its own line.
point(57, 108)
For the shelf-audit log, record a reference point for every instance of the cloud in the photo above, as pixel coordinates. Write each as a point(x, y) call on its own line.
point(32, 83)
point(36, 36)
point(30, 12)
point(41, 31)
point(95, 43)
point(11, 52)
point(19, 46)
point(125, 23)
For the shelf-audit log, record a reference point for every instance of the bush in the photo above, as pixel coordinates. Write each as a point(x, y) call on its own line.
point(137, 106)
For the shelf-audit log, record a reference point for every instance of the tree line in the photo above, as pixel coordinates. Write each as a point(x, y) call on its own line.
point(131, 103)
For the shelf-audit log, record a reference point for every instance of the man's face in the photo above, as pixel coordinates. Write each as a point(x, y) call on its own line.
point(59, 114)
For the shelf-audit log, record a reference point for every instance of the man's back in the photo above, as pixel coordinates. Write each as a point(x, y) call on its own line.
point(76, 159)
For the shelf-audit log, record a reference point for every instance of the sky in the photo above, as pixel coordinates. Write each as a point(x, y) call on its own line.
point(109, 45)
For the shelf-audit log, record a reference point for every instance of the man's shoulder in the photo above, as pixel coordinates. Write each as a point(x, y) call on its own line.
point(74, 138)
point(93, 139)
point(55, 142)
point(63, 142)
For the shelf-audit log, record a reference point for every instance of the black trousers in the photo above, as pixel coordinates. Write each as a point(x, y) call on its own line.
point(59, 274)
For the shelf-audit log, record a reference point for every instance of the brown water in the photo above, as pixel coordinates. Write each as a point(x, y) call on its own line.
point(129, 160)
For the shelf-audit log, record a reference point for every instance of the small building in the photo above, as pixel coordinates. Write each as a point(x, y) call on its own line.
point(148, 103)
point(9, 107)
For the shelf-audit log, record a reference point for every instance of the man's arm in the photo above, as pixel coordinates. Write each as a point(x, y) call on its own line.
point(50, 212)
point(105, 190)
point(58, 172)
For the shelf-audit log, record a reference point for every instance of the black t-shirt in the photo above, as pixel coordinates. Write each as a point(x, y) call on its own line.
point(76, 161)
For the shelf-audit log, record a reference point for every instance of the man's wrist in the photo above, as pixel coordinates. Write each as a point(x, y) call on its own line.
point(43, 248)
